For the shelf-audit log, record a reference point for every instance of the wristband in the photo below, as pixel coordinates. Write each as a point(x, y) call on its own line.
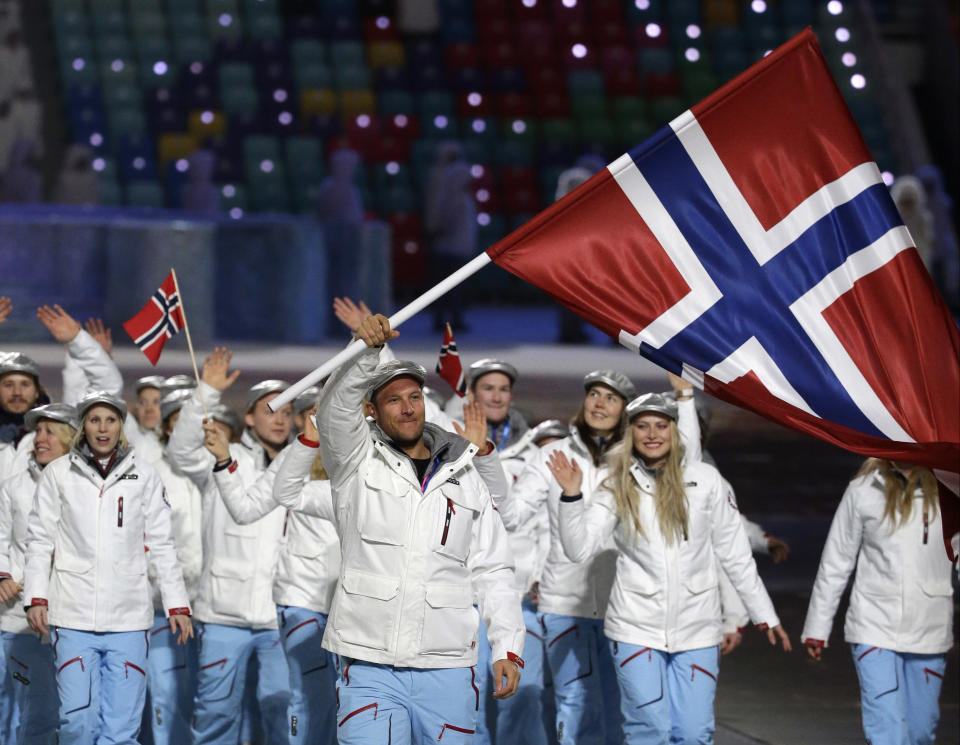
point(571, 497)
point(816, 643)
point(39, 601)
point(179, 612)
point(304, 440)
point(684, 396)
point(222, 464)
point(763, 626)
point(515, 659)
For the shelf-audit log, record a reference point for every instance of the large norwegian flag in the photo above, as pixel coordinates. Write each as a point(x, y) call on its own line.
point(752, 246)
point(160, 319)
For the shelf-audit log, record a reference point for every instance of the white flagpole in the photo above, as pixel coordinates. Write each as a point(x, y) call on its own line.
point(186, 328)
point(357, 346)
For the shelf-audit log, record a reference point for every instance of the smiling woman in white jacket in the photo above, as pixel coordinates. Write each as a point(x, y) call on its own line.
point(900, 620)
point(98, 517)
point(672, 523)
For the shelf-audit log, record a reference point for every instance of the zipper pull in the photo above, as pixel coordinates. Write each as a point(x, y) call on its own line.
point(446, 523)
point(926, 526)
point(120, 512)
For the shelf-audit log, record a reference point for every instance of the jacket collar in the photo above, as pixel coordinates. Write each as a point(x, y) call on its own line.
point(252, 445)
point(449, 449)
point(83, 458)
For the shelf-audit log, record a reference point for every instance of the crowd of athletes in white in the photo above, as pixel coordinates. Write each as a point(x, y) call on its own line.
point(412, 571)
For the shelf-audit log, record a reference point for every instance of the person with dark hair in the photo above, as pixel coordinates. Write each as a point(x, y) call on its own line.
point(672, 523)
point(99, 517)
point(900, 621)
point(419, 537)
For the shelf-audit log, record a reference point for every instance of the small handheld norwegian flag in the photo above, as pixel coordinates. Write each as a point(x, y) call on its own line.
point(160, 319)
point(448, 365)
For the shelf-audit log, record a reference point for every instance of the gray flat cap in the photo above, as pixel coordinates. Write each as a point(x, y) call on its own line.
point(178, 382)
point(488, 365)
point(225, 415)
point(550, 428)
point(14, 362)
point(174, 401)
point(261, 389)
point(101, 397)
point(614, 380)
point(306, 400)
point(151, 381)
point(64, 413)
point(652, 403)
point(391, 370)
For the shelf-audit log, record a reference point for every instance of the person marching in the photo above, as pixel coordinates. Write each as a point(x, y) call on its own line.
point(99, 516)
point(36, 686)
point(419, 534)
point(307, 570)
point(672, 522)
point(573, 596)
point(900, 621)
point(235, 608)
point(172, 668)
point(143, 423)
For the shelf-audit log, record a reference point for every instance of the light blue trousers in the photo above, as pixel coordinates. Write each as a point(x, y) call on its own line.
point(9, 711)
point(102, 683)
point(584, 682)
point(224, 654)
point(34, 682)
point(529, 715)
point(666, 697)
point(899, 694)
point(381, 704)
point(172, 681)
point(313, 678)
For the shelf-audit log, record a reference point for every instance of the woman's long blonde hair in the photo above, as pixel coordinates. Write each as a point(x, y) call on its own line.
point(669, 496)
point(317, 471)
point(80, 437)
point(899, 491)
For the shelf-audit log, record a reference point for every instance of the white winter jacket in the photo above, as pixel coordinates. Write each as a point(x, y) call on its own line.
point(239, 561)
point(411, 556)
point(185, 517)
point(309, 561)
point(99, 534)
point(145, 441)
point(666, 595)
point(16, 501)
point(902, 597)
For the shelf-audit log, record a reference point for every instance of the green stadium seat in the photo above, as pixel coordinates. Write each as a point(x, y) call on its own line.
point(347, 53)
point(59, 7)
point(147, 25)
point(122, 95)
point(313, 75)
point(664, 110)
point(252, 7)
point(268, 191)
point(224, 25)
point(144, 193)
point(394, 199)
point(308, 51)
point(699, 81)
point(118, 72)
point(108, 23)
point(304, 156)
point(77, 72)
point(352, 77)
point(105, 167)
point(598, 132)
point(188, 49)
point(519, 128)
point(558, 130)
point(179, 7)
point(110, 193)
point(629, 107)
point(113, 46)
point(188, 23)
point(431, 103)
point(396, 102)
point(265, 26)
point(123, 120)
point(71, 46)
point(152, 49)
point(257, 148)
point(97, 6)
point(239, 99)
point(657, 60)
point(588, 82)
point(478, 150)
point(134, 7)
point(232, 196)
point(631, 132)
point(390, 176)
point(514, 152)
point(236, 73)
point(589, 107)
point(158, 74)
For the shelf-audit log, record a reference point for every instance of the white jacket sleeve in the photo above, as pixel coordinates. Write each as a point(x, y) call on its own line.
point(100, 371)
point(735, 558)
point(344, 433)
point(735, 615)
point(293, 491)
point(756, 535)
point(6, 532)
point(688, 425)
point(491, 567)
point(185, 446)
point(41, 529)
point(529, 493)
point(585, 529)
point(836, 564)
point(491, 471)
point(248, 505)
point(158, 537)
point(74, 380)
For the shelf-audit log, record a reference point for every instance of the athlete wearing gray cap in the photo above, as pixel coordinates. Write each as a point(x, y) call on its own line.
point(57, 412)
point(101, 397)
point(652, 403)
point(177, 382)
point(613, 380)
point(387, 371)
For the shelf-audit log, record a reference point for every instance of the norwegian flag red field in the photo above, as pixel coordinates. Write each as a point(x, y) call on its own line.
point(160, 319)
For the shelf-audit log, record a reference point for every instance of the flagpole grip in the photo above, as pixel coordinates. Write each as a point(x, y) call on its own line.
point(357, 346)
point(186, 328)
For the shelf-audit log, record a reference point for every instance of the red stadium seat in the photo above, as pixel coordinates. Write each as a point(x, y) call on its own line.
point(401, 126)
point(624, 81)
point(474, 104)
point(662, 84)
point(500, 53)
point(514, 105)
point(517, 177)
point(551, 105)
point(462, 54)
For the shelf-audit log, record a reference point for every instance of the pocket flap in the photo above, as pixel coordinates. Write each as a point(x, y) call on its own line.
point(224, 567)
point(700, 582)
point(371, 585)
point(642, 584)
point(449, 596)
point(937, 589)
point(460, 496)
point(73, 564)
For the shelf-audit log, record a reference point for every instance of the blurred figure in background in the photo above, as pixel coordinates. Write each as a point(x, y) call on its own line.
point(77, 182)
point(946, 253)
point(911, 201)
point(200, 194)
point(339, 198)
point(22, 182)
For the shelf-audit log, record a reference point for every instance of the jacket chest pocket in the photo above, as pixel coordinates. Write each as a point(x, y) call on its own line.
point(454, 515)
point(382, 515)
